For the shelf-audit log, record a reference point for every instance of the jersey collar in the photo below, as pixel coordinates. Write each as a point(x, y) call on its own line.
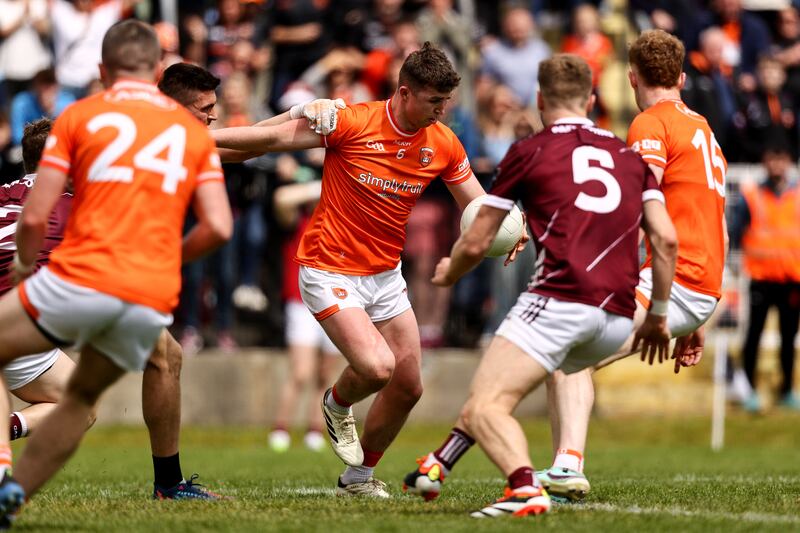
point(393, 121)
point(134, 84)
point(574, 120)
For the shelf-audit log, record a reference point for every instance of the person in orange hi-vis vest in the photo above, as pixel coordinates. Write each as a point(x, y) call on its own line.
point(679, 146)
point(378, 162)
point(136, 160)
point(767, 225)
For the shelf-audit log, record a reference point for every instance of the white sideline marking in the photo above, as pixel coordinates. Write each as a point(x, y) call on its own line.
point(677, 511)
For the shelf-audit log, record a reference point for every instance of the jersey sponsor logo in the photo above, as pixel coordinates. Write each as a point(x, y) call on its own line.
point(375, 145)
point(425, 156)
point(339, 292)
point(390, 186)
point(650, 145)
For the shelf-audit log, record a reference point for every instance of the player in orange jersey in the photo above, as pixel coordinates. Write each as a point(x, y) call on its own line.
point(680, 148)
point(137, 160)
point(378, 162)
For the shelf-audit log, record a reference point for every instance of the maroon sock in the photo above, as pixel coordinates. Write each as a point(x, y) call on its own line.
point(523, 477)
point(455, 445)
point(371, 458)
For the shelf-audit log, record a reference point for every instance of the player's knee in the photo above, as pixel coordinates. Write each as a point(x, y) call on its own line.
point(86, 396)
point(378, 372)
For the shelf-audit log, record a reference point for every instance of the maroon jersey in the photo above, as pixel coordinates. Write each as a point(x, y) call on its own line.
point(583, 190)
point(12, 197)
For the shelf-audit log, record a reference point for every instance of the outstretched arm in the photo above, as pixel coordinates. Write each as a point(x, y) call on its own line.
point(286, 137)
point(471, 246)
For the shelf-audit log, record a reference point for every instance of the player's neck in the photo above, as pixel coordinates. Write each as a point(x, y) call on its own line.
point(400, 116)
point(549, 117)
point(124, 75)
point(653, 96)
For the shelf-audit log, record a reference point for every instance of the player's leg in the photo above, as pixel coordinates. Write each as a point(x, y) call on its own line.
point(326, 366)
point(61, 432)
point(371, 364)
point(41, 390)
point(390, 409)
point(504, 377)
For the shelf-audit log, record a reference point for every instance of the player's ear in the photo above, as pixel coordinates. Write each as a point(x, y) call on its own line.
point(159, 70)
point(632, 79)
point(404, 92)
point(104, 75)
point(681, 80)
point(590, 104)
point(539, 101)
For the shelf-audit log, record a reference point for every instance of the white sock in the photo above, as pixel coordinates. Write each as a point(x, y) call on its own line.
point(570, 459)
point(356, 474)
point(333, 406)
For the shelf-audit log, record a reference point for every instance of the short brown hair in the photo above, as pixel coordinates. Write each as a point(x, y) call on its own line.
point(182, 82)
point(658, 58)
point(428, 67)
point(132, 46)
point(33, 138)
point(565, 78)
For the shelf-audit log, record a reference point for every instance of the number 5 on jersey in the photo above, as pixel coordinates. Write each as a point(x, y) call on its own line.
point(173, 140)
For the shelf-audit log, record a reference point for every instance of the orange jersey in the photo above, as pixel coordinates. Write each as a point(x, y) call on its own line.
point(675, 138)
point(135, 157)
point(374, 173)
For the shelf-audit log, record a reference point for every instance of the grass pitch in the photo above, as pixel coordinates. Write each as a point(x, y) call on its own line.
point(647, 475)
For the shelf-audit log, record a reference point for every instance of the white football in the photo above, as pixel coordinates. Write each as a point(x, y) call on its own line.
point(508, 235)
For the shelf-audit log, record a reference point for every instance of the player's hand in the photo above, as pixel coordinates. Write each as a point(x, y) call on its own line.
point(322, 114)
point(20, 271)
point(512, 255)
point(440, 275)
point(688, 349)
point(653, 335)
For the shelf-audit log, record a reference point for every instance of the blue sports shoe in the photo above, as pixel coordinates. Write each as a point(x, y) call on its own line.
point(186, 490)
point(12, 496)
point(791, 401)
point(752, 404)
point(564, 484)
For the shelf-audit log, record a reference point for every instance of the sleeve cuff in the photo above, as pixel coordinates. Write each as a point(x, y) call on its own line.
point(653, 194)
point(498, 202)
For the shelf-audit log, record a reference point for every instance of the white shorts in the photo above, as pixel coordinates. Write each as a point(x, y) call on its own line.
point(69, 314)
point(563, 335)
point(382, 296)
point(687, 309)
point(23, 370)
point(302, 329)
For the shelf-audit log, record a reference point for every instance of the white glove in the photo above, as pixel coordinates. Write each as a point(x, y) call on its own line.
point(322, 114)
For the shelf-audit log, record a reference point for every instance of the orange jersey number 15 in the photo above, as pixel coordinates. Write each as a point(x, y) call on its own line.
point(711, 160)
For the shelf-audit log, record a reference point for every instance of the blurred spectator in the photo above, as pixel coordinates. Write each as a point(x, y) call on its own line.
point(588, 42)
point(78, 30)
point(709, 88)
point(767, 222)
point(310, 350)
point(514, 59)
point(10, 155)
point(247, 187)
point(440, 23)
point(767, 109)
point(228, 25)
point(300, 33)
point(380, 22)
point(683, 18)
point(44, 99)
point(336, 76)
point(24, 32)
point(193, 36)
point(382, 64)
point(168, 39)
point(788, 46)
point(747, 35)
point(496, 121)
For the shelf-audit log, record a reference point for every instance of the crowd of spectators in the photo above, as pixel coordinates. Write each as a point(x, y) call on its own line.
point(743, 73)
